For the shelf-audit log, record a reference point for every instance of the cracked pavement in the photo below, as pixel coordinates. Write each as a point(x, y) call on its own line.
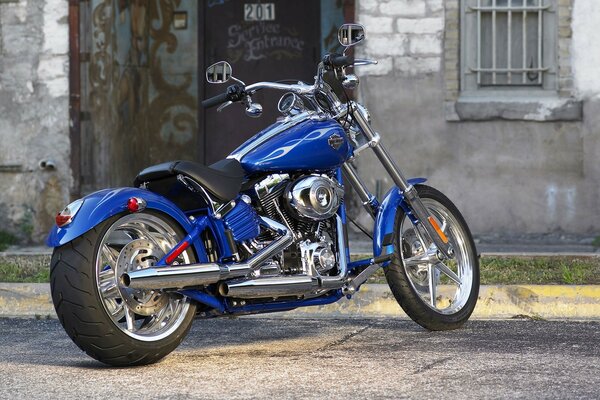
point(287, 358)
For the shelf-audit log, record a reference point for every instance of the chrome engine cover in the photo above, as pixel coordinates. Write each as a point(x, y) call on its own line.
point(315, 197)
point(317, 257)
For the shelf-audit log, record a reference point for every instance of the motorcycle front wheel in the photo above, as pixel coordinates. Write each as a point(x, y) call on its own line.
point(436, 294)
point(116, 325)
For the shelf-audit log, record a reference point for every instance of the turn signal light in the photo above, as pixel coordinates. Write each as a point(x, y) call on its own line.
point(65, 217)
point(437, 228)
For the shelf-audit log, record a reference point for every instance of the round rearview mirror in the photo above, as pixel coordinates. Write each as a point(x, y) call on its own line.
point(351, 34)
point(219, 72)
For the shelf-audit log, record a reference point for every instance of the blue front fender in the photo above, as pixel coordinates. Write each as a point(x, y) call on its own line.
point(383, 232)
point(101, 205)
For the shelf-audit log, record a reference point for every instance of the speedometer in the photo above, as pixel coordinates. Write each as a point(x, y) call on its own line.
point(290, 104)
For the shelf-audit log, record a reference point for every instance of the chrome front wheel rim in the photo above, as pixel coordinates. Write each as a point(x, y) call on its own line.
point(443, 285)
point(134, 242)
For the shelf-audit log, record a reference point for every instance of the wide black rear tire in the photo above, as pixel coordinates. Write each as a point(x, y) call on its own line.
point(75, 293)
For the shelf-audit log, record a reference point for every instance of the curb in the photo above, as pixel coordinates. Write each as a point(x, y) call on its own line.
point(376, 301)
point(495, 302)
point(26, 300)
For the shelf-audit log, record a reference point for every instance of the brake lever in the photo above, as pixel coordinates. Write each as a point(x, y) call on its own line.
point(224, 105)
point(359, 61)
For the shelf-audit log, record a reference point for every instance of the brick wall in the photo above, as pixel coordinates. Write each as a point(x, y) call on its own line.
point(405, 36)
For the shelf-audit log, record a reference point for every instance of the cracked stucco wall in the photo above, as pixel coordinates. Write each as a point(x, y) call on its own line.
point(34, 118)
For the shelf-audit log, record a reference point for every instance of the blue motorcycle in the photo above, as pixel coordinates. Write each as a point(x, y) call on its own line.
point(262, 231)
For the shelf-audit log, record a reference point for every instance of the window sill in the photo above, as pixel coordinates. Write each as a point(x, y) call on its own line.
point(514, 108)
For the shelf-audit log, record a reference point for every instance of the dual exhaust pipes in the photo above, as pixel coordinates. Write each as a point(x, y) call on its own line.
point(186, 276)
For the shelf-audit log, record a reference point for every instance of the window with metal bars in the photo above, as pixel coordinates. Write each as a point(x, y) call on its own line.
point(508, 43)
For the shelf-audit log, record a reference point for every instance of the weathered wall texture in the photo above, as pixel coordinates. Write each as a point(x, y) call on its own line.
point(586, 47)
point(34, 120)
point(505, 176)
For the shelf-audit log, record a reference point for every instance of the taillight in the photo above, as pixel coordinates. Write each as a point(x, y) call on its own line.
point(65, 217)
point(136, 204)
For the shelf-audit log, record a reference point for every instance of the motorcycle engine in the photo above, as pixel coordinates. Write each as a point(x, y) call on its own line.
point(314, 197)
point(306, 205)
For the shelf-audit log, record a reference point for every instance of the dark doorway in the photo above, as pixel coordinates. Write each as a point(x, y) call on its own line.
point(284, 47)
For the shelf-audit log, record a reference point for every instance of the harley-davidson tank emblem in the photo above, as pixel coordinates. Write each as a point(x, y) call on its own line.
point(335, 141)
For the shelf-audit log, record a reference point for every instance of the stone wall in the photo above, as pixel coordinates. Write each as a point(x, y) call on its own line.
point(34, 118)
point(507, 177)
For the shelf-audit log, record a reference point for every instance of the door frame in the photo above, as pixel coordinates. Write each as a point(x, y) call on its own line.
point(75, 97)
point(201, 151)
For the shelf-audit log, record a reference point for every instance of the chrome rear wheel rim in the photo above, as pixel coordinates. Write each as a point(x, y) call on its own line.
point(134, 242)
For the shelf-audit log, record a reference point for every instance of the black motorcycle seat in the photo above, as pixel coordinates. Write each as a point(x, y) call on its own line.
point(222, 179)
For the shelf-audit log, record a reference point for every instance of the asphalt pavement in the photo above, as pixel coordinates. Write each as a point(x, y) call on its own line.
point(279, 358)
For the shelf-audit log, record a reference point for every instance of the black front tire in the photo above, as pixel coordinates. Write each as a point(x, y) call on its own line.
point(408, 290)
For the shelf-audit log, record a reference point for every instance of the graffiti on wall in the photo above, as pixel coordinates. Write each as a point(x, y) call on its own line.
point(142, 87)
point(249, 42)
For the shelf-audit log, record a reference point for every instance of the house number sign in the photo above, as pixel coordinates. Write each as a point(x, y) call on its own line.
point(259, 12)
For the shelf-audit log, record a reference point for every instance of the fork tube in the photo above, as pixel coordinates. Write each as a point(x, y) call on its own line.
point(369, 201)
point(381, 153)
point(410, 193)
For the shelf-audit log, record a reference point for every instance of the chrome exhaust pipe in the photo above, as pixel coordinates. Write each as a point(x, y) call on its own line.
point(178, 277)
point(279, 286)
point(184, 276)
point(269, 287)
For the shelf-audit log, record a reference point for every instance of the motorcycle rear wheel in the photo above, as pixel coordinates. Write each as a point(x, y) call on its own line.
point(438, 295)
point(113, 324)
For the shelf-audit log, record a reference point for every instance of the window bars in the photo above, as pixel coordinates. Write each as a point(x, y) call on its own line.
point(510, 42)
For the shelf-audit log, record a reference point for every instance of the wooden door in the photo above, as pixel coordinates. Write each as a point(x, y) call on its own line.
point(139, 76)
point(283, 43)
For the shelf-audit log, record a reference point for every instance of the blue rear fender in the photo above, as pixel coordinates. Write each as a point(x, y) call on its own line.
point(101, 205)
point(383, 232)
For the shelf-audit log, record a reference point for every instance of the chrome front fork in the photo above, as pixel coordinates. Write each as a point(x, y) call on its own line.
point(411, 196)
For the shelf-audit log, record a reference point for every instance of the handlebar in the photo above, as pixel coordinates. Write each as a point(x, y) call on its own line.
point(299, 88)
point(234, 93)
point(336, 61)
point(239, 92)
point(216, 100)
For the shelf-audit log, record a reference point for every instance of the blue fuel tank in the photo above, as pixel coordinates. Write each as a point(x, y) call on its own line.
point(300, 143)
